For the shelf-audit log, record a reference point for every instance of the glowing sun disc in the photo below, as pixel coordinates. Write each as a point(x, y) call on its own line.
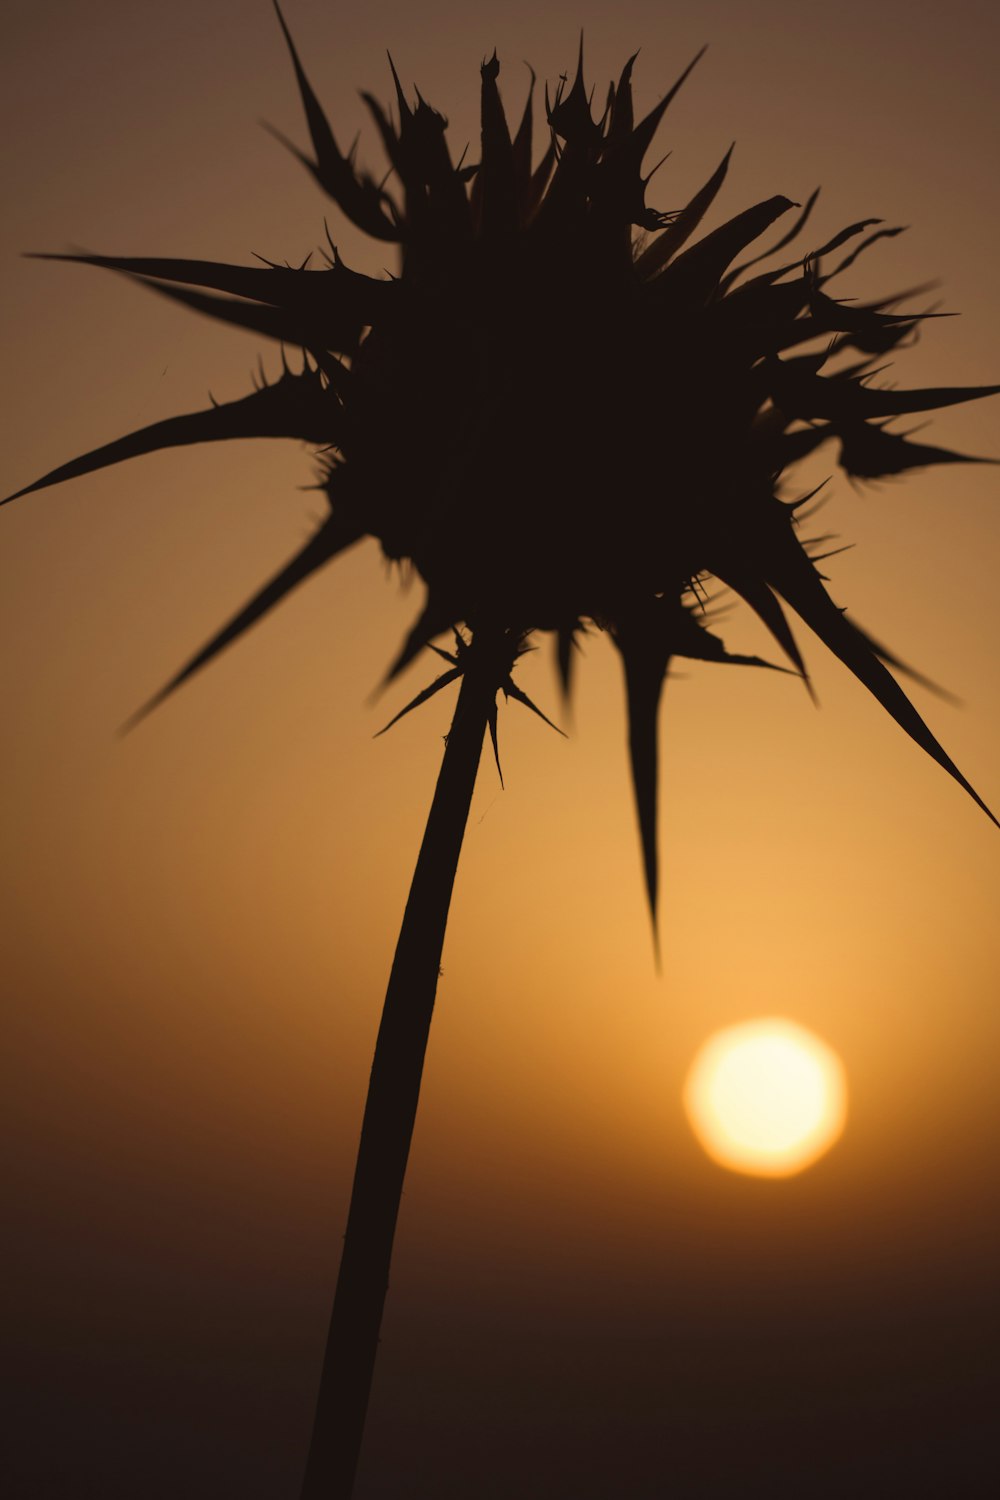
point(766, 1097)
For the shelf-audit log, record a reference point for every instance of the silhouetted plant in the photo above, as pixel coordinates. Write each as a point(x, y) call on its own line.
point(562, 426)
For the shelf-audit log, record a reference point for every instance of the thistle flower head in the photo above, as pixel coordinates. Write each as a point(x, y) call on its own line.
point(567, 409)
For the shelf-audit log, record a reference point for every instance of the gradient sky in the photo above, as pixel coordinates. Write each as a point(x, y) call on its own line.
point(197, 921)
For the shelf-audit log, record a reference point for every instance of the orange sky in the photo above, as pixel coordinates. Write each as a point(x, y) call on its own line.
point(197, 921)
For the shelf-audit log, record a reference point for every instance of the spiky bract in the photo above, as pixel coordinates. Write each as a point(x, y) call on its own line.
point(560, 422)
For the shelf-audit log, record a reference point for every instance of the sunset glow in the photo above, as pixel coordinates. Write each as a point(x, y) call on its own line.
point(614, 1274)
point(767, 1097)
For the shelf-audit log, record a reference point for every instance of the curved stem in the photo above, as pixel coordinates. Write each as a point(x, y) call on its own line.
point(393, 1091)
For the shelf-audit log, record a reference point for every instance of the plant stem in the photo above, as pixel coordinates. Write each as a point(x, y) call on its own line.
point(393, 1091)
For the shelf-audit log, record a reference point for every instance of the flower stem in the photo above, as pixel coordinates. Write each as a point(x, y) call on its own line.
point(393, 1091)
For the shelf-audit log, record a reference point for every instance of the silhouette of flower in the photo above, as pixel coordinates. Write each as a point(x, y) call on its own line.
point(562, 424)
point(556, 423)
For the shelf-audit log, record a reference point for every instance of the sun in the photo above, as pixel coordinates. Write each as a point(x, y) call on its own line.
point(767, 1097)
